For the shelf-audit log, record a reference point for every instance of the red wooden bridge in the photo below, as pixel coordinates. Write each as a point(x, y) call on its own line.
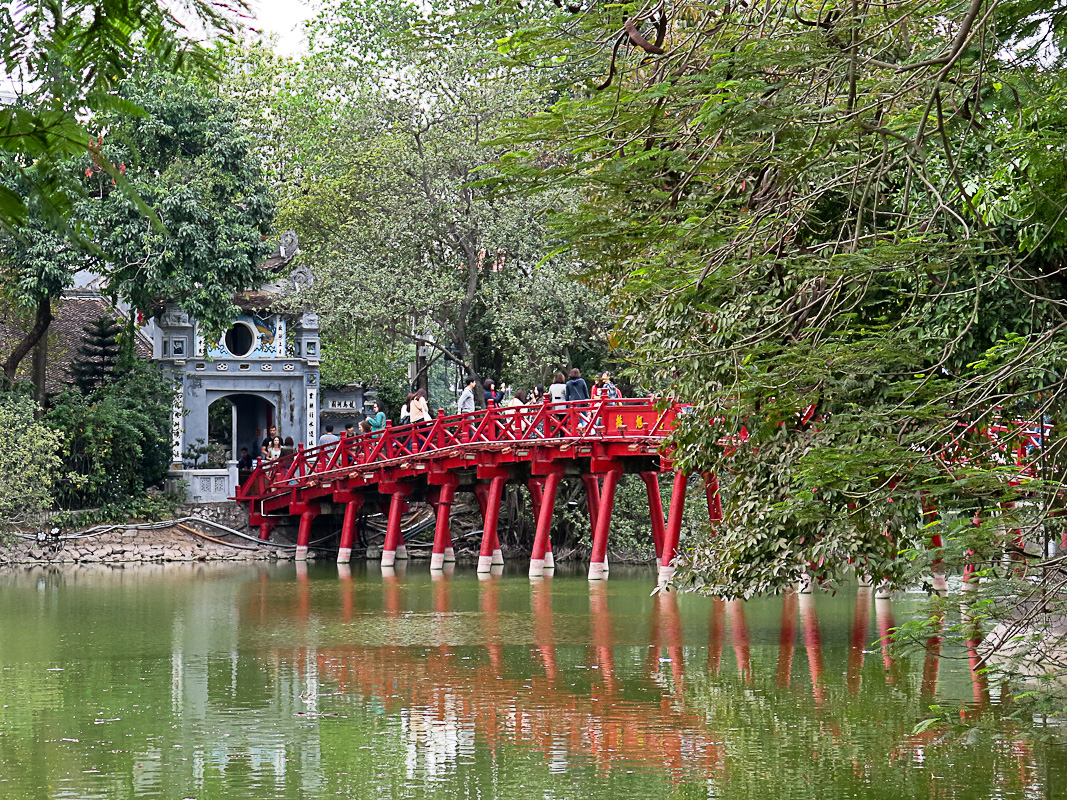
point(481, 452)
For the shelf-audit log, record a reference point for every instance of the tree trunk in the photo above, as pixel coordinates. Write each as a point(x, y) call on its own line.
point(41, 322)
point(40, 373)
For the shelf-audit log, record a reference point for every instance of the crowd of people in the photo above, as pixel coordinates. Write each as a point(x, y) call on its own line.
point(416, 409)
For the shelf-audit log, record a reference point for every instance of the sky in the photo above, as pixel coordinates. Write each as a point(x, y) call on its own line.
point(284, 18)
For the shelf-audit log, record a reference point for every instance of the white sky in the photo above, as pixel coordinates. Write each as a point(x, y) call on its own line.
point(284, 18)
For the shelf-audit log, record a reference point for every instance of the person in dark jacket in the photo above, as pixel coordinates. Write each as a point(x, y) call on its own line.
point(489, 385)
point(576, 386)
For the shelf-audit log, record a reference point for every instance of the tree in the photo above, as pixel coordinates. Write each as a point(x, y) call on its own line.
point(838, 232)
point(97, 355)
point(65, 59)
point(29, 462)
point(379, 176)
point(185, 221)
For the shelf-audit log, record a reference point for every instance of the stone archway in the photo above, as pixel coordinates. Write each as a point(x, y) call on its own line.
point(250, 417)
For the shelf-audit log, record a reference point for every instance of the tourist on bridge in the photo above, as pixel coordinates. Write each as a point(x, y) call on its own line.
point(377, 419)
point(576, 386)
point(405, 410)
point(267, 440)
point(288, 446)
point(604, 389)
point(558, 390)
point(491, 393)
point(419, 408)
point(465, 404)
point(537, 396)
point(329, 437)
point(274, 449)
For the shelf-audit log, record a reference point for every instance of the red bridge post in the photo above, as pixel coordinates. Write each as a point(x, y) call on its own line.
point(674, 526)
point(307, 514)
point(592, 500)
point(490, 552)
point(711, 489)
point(393, 537)
point(542, 537)
point(442, 536)
point(655, 510)
point(348, 528)
point(598, 561)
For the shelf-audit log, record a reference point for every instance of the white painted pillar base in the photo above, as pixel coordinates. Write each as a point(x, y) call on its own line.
point(863, 580)
point(884, 591)
point(485, 563)
point(537, 567)
point(666, 574)
point(804, 585)
point(437, 561)
point(550, 560)
point(344, 555)
point(301, 553)
point(388, 558)
point(401, 552)
point(498, 557)
point(450, 554)
point(598, 571)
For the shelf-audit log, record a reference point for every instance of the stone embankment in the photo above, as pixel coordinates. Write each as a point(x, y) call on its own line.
point(124, 546)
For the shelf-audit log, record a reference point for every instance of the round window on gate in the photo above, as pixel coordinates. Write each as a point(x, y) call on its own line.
point(240, 339)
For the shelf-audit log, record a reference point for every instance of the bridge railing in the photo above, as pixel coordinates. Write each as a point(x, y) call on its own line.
point(574, 421)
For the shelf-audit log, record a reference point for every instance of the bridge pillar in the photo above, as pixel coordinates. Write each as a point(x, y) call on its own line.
point(490, 553)
point(307, 515)
point(938, 566)
point(543, 537)
point(393, 536)
point(598, 562)
point(265, 527)
point(442, 536)
point(348, 529)
point(711, 489)
point(674, 526)
point(655, 510)
point(592, 499)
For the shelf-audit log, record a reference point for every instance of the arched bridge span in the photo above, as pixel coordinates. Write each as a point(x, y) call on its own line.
point(481, 452)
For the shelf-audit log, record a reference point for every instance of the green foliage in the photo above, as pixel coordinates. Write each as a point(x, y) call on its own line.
point(376, 145)
point(116, 440)
point(187, 160)
point(836, 232)
point(29, 462)
point(66, 59)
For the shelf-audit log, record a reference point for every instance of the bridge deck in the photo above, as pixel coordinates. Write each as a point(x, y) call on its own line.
point(478, 452)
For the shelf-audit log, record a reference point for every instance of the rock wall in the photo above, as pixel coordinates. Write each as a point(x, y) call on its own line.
point(134, 546)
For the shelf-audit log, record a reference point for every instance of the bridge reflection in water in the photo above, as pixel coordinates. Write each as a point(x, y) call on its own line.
point(648, 688)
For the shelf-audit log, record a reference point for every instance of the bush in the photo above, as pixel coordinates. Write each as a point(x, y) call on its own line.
point(29, 464)
point(116, 438)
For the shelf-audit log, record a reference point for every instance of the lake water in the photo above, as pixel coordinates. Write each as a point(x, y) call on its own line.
point(236, 681)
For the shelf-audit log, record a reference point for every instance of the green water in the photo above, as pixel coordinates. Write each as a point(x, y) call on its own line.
point(238, 681)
